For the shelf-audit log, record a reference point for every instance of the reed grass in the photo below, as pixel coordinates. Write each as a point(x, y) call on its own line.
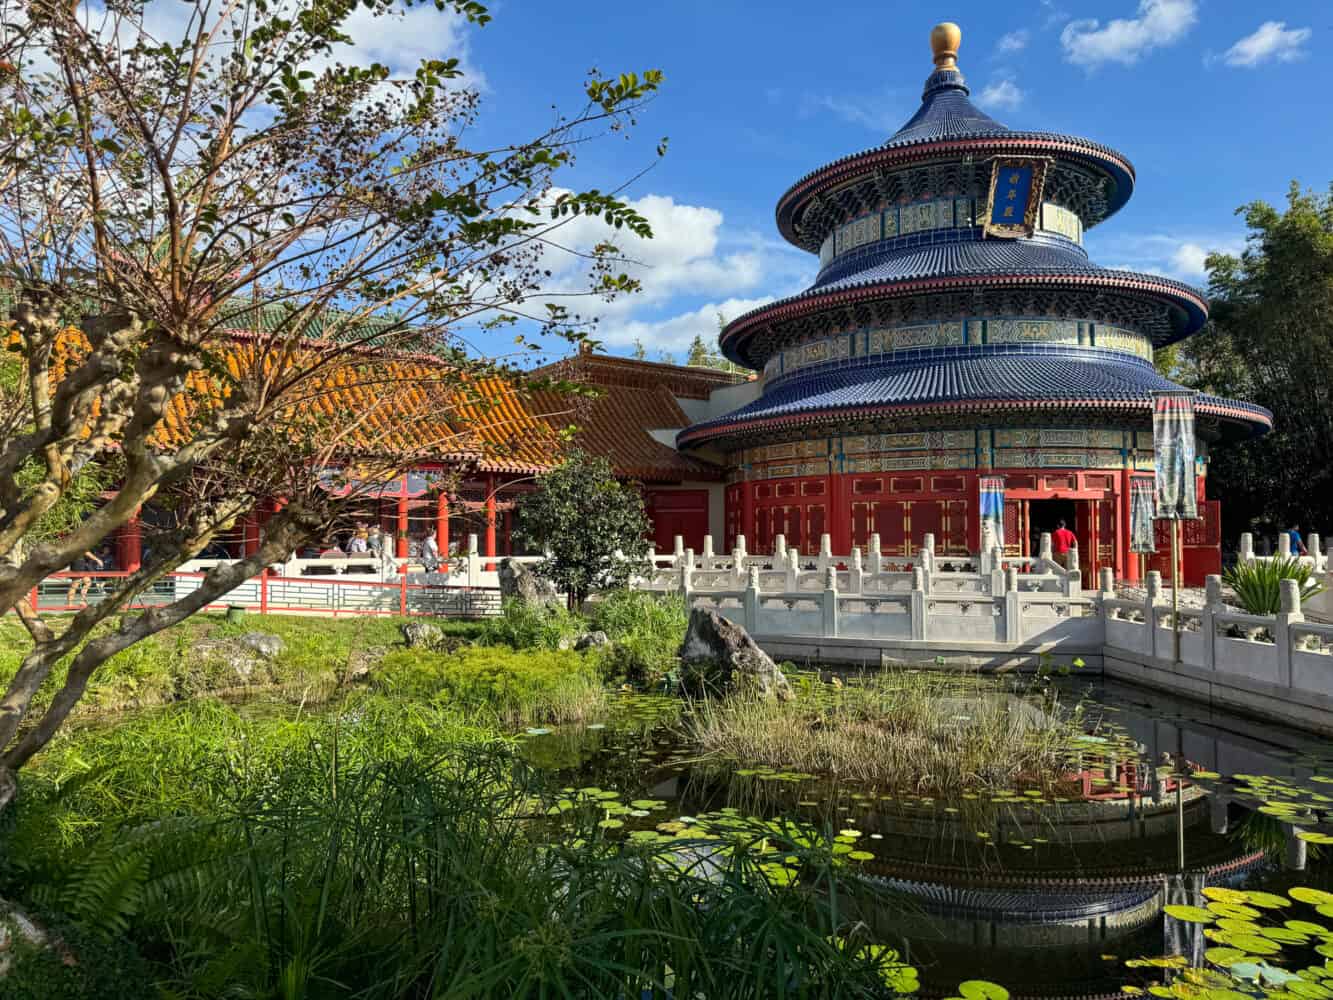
point(921, 731)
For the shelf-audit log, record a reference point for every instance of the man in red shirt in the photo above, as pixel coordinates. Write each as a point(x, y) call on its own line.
point(1061, 542)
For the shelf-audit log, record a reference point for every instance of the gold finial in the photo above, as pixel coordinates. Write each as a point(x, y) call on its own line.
point(944, 40)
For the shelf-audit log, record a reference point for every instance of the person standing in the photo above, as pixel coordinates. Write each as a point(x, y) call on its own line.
point(1062, 540)
point(358, 545)
point(375, 541)
point(82, 584)
point(430, 553)
point(1297, 545)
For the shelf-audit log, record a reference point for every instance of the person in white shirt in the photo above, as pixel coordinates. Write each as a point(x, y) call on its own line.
point(430, 553)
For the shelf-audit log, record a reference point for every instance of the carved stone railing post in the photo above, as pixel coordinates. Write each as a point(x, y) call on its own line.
point(1289, 615)
point(1284, 546)
point(1106, 581)
point(825, 552)
point(920, 628)
point(924, 562)
point(876, 560)
point(1044, 551)
point(831, 602)
point(473, 562)
point(780, 548)
point(1246, 553)
point(751, 601)
point(1072, 585)
point(997, 572)
point(855, 573)
point(679, 548)
point(1153, 588)
point(687, 575)
point(739, 556)
point(708, 548)
point(1013, 607)
point(928, 553)
point(793, 571)
point(1312, 544)
point(1212, 605)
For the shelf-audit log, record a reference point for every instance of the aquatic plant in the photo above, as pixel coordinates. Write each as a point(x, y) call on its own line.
point(1258, 585)
point(918, 730)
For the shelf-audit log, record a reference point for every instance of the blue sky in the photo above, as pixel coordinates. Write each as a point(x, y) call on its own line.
point(1216, 102)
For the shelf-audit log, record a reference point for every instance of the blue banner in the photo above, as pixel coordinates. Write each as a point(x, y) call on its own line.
point(1013, 190)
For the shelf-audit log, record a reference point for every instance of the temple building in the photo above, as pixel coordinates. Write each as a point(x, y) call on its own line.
point(957, 335)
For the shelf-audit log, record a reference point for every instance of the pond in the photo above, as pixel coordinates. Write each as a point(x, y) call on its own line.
point(1046, 888)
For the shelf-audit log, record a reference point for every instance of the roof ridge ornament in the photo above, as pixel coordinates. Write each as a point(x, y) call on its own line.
point(945, 40)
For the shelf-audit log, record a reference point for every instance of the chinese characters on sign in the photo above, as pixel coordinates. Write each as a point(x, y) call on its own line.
point(1015, 197)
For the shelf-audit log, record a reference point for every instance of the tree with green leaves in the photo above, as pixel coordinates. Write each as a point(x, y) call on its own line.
point(203, 235)
point(698, 355)
point(1271, 342)
point(592, 526)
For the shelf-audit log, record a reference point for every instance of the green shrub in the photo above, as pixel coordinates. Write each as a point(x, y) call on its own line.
point(645, 632)
point(1258, 585)
point(521, 625)
point(494, 683)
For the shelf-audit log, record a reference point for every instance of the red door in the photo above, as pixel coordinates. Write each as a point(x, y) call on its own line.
point(891, 523)
point(927, 518)
point(678, 512)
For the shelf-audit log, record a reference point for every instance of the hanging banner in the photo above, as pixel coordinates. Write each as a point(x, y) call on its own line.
point(1142, 537)
point(1016, 188)
point(1173, 452)
point(992, 508)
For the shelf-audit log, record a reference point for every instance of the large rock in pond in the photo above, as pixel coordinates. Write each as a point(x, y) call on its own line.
point(264, 644)
point(518, 581)
point(719, 656)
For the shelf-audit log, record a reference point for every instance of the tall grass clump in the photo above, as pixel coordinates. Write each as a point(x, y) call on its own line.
point(522, 625)
point(1258, 585)
point(320, 868)
point(499, 685)
point(645, 632)
point(922, 731)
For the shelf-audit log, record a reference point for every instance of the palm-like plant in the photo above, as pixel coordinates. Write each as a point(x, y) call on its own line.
point(1258, 585)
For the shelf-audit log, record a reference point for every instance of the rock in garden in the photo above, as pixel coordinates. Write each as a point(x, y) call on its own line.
point(421, 635)
point(723, 656)
point(265, 644)
point(591, 640)
point(518, 581)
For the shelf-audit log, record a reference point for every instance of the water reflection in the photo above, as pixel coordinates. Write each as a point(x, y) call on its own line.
point(1047, 887)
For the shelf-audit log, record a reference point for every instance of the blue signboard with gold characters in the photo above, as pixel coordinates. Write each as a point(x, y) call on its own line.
point(1015, 197)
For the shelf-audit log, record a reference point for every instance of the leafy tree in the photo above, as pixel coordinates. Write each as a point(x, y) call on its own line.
point(581, 515)
point(1271, 342)
point(206, 241)
point(640, 352)
point(698, 352)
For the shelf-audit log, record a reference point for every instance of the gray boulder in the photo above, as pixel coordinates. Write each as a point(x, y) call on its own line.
point(591, 640)
point(719, 656)
point(421, 635)
point(518, 581)
point(263, 644)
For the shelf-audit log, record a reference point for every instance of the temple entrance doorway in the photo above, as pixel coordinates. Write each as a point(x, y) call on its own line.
point(1045, 515)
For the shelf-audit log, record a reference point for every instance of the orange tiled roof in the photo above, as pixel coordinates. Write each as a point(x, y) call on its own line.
point(398, 404)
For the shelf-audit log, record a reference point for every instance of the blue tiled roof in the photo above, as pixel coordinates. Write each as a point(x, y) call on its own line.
point(1041, 375)
point(946, 113)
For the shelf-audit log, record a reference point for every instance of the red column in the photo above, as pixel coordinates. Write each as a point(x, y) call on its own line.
point(1129, 560)
point(129, 546)
point(401, 547)
point(490, 520)
point(442, 525)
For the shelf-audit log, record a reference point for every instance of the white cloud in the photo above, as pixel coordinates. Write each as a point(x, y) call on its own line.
point(694, 267)
point(1174, 255)
point(883, 115)
point(1014, 41)
point(1003, 94)
point(1272, 41)
point(1160, 23)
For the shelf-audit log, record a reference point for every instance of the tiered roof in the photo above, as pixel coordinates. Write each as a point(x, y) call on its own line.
point(895, 277)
